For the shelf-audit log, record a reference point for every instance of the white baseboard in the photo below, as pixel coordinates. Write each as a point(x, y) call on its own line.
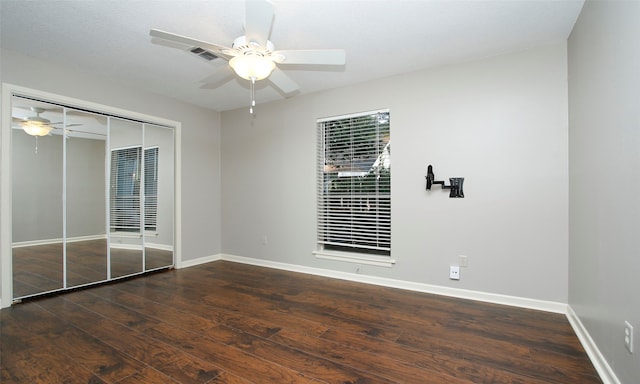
point(162, 247)
point(198, 261)
point(86, 238)
point(128, 247)
point(541, 305)
point(599, 362)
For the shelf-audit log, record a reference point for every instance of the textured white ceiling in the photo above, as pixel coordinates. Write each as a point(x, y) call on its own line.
point(381, 38)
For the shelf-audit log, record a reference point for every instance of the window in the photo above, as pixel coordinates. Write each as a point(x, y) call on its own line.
point(354, 183)
point(126, 168)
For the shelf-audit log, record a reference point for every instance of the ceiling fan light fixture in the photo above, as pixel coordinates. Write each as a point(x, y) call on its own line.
point(252, 66)
point(36, 128)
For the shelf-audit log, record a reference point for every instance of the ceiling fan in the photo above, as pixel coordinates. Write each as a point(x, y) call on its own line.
point(253, 56)
point(38, 125)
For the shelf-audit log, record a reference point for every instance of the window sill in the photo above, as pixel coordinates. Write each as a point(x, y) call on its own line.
point(357, 258)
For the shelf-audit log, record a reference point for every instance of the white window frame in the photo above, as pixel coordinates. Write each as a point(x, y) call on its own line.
point(362, 243)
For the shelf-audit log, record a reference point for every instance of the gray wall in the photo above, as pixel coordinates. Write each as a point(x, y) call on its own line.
point(200, 138)
point(85, 187)
point(501, 123)
point(37, 187)
point(163, 139)
point(604, 147)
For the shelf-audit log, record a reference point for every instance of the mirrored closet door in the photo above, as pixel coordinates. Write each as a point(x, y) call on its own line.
point(92, 197)
point(37, 206)
point(85, 241)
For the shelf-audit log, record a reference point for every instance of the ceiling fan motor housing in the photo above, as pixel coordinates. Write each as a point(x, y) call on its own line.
point(252, 48)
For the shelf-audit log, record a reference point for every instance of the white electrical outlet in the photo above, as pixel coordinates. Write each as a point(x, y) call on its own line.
point(628, 336)
point(463, 261)
point(454, 272)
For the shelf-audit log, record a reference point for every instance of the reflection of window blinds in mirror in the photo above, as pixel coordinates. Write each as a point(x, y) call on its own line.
point(125, 190)
point(150, 188)
point(126, 168)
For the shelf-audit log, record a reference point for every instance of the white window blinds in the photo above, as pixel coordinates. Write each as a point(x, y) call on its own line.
point(125, 198)
point(125, 190)
point(354, 183)
point(150, 188)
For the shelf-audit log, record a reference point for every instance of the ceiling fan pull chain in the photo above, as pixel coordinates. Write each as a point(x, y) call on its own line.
point(253, 94)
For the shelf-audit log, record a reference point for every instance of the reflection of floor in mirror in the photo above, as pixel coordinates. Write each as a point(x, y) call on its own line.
point(39, 268)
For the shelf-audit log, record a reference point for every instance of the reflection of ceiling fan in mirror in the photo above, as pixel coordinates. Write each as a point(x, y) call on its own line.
point(38, 125)
point(253, 56)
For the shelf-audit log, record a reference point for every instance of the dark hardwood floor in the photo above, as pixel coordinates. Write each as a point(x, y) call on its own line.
point(224, 322)
point(38, 268)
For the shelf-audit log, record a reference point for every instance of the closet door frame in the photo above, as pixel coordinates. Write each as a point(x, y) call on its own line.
point(10, 90)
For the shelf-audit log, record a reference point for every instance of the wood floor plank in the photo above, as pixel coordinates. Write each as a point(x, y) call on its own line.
point(205, 318)
point(43, 365)
point(311, 365)
point(228, 310)
point(148, 376)
point(392, 369)
point(308, 313)
point(163, 357)
point(162, 311)
point(234, 360)
point(224, 322)
point(227, 378)
point(490, 354)
point(28, 328)
point(579, 365)
point(100, 359)
point(445, 363)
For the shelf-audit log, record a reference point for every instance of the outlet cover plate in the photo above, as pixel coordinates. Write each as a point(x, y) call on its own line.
point(454, 272)
point(463, 261)
point(628, 336)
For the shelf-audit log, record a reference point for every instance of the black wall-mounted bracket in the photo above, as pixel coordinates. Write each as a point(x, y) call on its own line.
point(455, 183)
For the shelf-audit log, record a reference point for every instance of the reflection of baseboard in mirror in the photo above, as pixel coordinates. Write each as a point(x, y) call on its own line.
point(57, 241)
point(61, 187)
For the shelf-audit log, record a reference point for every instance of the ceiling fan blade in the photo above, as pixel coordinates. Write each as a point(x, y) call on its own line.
point(170, 44)
point(282, 81)
point(219, 77)
point(61, 122)
point(77, 131)
point(310, 56)
point(258, 21)
point(43, 121)
point(37, 109)
point(218, 50)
